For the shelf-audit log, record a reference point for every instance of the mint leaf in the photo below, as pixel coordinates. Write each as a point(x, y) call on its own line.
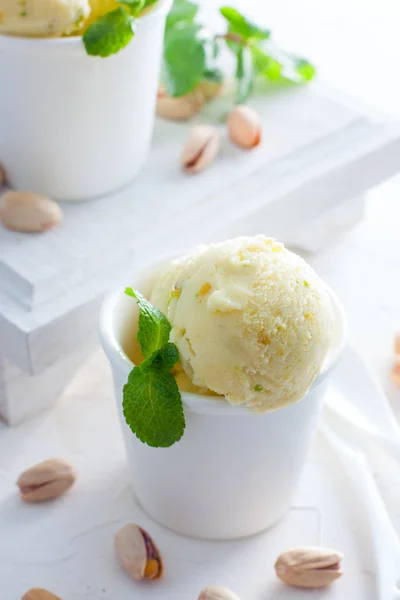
point(265, 64)
point(110, 33)
point(149, 3)
point(240, 25)
point(134, 6)
point(152, 403)
point(275, 63)
point(152, 407)
point(154, 327)
point(244, 74)
point(304, 68)
point(182, 10)
point(163, 359)
point(184, 58)
point(214, 75)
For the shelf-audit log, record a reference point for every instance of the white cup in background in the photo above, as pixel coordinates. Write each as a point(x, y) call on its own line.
point(72, 126)
point(234, 472)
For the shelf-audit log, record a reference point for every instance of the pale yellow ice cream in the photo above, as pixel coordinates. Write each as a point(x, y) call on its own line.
point(42, 18)
point(251, 320)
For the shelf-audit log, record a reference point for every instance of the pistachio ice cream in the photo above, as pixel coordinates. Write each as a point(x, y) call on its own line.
point(251, 320)
point(42, 18)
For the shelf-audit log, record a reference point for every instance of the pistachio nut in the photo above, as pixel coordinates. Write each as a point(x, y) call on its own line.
point(46, 480)
point(181, 108)
point(395, 372)
point(28, 212)
point(138, 553)
point(200, 149)
point(39, 594)
point(309, 567)
point(217, 592)
point(244, 127)
point(2, 176)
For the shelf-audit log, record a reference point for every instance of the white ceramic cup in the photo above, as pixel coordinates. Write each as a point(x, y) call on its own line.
point(75, 127)
point(234, 472)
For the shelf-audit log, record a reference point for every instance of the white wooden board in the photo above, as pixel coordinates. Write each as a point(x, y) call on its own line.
point(318, 153)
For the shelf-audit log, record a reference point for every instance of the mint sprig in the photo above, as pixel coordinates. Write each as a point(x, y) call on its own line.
point(184, 58)
point(191, 50)
point(113, 31)
point(255, 53)
point(110, 33)
point(152, 403)
point(181, 11)
point(154, 327)
point(243, 26)
point(245, 74)
point(134, 6)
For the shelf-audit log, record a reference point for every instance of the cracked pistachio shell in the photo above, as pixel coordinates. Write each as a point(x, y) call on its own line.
point(137, 553)
point(217, 592)
point(46, 480)
point(309, 566)
point(28, 212)
point(39, 594)
point(200, 149)
point(179, 109)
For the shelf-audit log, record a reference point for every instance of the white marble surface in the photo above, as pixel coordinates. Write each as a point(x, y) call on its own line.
point(67, 546)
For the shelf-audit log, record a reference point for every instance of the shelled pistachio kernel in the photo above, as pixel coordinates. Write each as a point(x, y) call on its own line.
point(200, 149)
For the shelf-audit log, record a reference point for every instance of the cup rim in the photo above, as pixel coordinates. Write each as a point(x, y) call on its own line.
point(196, 402)
point(162, 7)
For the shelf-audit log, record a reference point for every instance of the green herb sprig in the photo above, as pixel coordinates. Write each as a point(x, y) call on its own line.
point(192, 52)
point(199, 48)
point(152, 403)
point(114, 30)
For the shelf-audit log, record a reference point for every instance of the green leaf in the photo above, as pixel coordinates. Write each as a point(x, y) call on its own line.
point(184, 58)
point(275, 63)
point(149, 3)
point(242, 26)
point(164, 359)
point(305, 69)
point(265, 64)
point(182, 10)
point(244, 74)
point(152, 407)
point(154, 327)
point(152, 402)
point(215, 46)
point(110, 33)
point(260, 60)
point(214, 75)
point(134, 6)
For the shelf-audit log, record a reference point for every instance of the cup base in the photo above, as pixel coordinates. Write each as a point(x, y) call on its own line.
point(199, 532)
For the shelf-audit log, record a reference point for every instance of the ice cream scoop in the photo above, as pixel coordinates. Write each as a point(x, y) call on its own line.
point(251, 320)
point(42, 18)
